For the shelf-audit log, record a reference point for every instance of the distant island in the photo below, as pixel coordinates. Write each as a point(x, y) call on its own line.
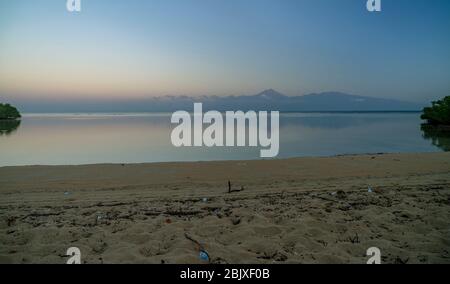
point(8, 112)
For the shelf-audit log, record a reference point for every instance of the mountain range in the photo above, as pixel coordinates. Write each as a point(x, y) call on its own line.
point(266, 100)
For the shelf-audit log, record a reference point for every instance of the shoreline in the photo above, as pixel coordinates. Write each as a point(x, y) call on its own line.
point(220, 161)
point(30, 114)
point(298, 210)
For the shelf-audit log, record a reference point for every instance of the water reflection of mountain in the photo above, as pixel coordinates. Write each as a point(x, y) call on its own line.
point(332, 121)
point(439, 136)
point(7, 127)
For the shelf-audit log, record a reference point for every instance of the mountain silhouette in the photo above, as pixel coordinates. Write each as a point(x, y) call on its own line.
point(265, 100)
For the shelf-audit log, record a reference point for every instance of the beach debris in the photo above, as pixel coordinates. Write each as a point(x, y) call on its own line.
point(200, 247)
point(334, 193)
point(168, 221)
point(66, 193)
point(204, 256)
point(100, 217)
point(217, 213)
point(369, 189)
point(205, 199)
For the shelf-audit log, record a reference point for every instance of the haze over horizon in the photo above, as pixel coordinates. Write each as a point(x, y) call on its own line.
point(133, 50)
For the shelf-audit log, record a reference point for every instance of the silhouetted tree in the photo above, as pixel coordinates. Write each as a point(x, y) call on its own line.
point(7, 111)
point(438, 113)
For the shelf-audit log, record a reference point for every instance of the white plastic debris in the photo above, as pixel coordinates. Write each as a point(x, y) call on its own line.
point(369, 190)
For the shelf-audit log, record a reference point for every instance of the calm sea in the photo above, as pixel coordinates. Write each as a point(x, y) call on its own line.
point(54, 139)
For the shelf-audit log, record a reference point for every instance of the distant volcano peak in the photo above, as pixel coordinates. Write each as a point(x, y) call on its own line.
point(270, 94)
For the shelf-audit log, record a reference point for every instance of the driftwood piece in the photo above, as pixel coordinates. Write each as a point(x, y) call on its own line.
point(199, 246)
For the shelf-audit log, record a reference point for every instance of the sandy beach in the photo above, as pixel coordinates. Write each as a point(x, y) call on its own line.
point(305, 210)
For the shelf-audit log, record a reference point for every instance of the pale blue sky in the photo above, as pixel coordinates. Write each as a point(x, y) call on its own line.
point(134, 48)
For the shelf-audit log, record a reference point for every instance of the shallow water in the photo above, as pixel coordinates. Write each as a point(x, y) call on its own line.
point(53, 139)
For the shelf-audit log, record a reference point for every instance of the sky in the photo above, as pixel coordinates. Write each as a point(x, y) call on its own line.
point(131, 49)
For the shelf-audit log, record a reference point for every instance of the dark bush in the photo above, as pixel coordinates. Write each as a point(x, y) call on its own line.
point(438, 113)
point(7, 111)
